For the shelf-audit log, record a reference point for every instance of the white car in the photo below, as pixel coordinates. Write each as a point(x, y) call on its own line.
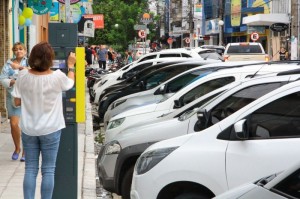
point(260, 139)
point(165, 90)
point(282, 185)
point(134, 140)
point(183, 52)
point(209, 85)
point(125, 72)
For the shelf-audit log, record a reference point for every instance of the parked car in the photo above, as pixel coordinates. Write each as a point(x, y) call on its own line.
point(220, 49)
point(260, 139)
point(164, 90)
point(182, 52)
point(147, 82)
point(211, 84)
point(135, 139)
point(119, 77)
point(245, 51)
point(281, 185)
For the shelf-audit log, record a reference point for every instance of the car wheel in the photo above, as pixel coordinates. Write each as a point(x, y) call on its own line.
point(191, 196)
point(126, 183)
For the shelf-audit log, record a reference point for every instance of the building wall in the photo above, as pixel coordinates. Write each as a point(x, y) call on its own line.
point(4, 47)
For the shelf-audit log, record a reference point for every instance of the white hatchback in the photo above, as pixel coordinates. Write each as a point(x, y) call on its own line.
point(258, 140)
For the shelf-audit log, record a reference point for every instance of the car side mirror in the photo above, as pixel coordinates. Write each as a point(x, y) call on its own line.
point(204, 119)
point(161, 90)
point(240, 129)
point(177, 104)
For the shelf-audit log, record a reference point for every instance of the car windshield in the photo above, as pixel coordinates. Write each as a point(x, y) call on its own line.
point(242, 49)
point(200, 75)
point(210, 55)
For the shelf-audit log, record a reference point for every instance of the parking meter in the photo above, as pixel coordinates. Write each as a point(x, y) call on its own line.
point(63, 39)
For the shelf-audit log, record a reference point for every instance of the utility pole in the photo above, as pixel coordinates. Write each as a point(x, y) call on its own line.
point(67, 9)
point(191, 23)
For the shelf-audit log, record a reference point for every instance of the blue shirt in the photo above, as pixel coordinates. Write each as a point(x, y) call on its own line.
point(102, 54)
point(8, 73)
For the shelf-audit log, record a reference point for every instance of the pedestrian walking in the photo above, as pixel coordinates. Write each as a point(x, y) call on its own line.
point(102, 57)
point(130, 58)
point(39, 93)
point(8, 78)
point(283, 54)
point(88, 56)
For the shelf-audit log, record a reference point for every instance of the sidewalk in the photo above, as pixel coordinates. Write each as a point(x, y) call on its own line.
point(12, 172)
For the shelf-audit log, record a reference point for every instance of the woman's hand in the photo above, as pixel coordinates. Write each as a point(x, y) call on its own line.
point(71, 60)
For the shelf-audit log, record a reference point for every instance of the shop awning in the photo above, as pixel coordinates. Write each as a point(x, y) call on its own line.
point(266, 19)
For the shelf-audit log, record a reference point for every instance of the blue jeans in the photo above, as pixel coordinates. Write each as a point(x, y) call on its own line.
point(48, 146)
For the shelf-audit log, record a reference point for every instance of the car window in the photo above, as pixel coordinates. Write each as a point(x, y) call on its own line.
point(279, 119)
point(148, 57)
point(136, 69)
point(240, 99)
point(244, 49)
point(290, 186)
point(180, 82)
point(151, 82)
point(155, 80)
point(170, 55)
point(210, 55)
point(206, 88)
point(185, 55)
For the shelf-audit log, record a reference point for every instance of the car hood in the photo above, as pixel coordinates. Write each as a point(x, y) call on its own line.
point(237, 192)
point(136, 111)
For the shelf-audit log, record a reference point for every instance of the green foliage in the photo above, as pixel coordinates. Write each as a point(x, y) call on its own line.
point(100, 138)
point(124, 13)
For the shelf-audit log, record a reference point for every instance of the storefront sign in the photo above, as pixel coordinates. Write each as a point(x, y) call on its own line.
point(279, 27)
point(40, 7)
point(71, 1)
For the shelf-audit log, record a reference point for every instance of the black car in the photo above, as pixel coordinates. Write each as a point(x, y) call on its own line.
point(147, 82)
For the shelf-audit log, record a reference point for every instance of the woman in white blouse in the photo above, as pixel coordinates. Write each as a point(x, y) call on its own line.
point(39, 93)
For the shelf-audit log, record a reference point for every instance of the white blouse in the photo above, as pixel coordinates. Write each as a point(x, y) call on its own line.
point(41, 101)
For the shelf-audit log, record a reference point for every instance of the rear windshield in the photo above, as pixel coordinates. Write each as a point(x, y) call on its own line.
point(244, 49)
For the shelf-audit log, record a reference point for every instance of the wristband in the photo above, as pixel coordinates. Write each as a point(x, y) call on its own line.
point(71, 69)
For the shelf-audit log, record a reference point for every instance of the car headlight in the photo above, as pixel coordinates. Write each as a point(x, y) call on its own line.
point(103, 82)
point(112, 148)
point(151, 158)
point(115, 123)
point(117, 103)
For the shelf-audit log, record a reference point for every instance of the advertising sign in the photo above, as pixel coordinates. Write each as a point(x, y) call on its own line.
point(40, 7)
point(71, 1)
point(278, 27)
point(98, 20)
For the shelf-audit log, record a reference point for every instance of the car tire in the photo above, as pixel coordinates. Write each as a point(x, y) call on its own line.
point(126, 183)
point(191, 196)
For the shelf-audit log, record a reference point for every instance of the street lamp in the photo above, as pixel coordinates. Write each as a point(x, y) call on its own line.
point(221, 23)
point(116, 25)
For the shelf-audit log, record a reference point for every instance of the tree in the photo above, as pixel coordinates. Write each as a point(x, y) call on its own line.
point(124, 13)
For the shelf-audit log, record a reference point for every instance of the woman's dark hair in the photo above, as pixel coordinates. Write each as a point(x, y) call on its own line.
point(41, 57)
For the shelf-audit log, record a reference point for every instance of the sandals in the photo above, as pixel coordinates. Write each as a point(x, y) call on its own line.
point(15, 156)
point(22, 159)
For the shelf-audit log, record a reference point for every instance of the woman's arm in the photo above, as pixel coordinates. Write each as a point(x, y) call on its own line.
point(17, 102)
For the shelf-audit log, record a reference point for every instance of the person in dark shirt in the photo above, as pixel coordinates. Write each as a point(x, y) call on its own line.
point(88, 56)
